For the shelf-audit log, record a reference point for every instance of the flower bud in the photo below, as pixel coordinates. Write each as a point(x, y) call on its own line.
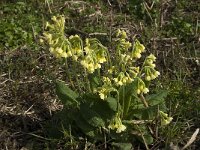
point(145, 90)
point(148, 78)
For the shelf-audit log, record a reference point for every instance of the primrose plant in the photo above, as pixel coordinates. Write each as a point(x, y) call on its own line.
point(115, 99)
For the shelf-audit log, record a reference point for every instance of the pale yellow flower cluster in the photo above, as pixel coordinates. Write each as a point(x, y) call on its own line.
point(124, 58)
point(122, 79)
point(95, 55)
point(91, 56)
point(76, 46)
point(105, 90)
point(123, 45)
point(165, 119)
point(149, 68)
point(138, 48)
point(116, 123)
point(141, 88)
point(58, 52)
point(59, 46)
point(124, 71)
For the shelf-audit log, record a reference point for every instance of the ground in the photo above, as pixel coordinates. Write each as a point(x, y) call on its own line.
point(169, 29)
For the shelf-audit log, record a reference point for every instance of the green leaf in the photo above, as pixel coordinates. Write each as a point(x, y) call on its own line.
point(91, 116)
point(158, 99)
point(85, 127)
point(94, 80)
point(105, 108)
point(65, 94)
point(148, 139)
point(150, 113)
point(125, 95)
point(147, 136)
point(146, 113)
point(112, 103)
point(123, 146)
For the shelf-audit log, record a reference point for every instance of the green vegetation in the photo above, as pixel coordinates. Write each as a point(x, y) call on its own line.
point(33, 117)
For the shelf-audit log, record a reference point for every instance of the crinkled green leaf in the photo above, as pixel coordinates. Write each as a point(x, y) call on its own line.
point(91, 116)
point(155, 99)
point(112, 103)
point(65, 94)
point(105, 108)
point(85, 127)
point(150, 113)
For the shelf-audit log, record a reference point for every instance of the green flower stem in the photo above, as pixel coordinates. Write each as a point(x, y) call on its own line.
point(118, 103)
point(69, 75)
point(87, 81)
point(126, 106)
point(123, 101)
point(109, 59)
point(74, 65)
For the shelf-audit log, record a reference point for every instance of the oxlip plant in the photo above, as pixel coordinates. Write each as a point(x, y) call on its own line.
point(114, 103)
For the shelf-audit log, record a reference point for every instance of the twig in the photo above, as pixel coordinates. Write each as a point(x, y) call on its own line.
point(145, 143)
point(164, 39)
point(192, 139)
point(191, 58)
point(96, 33)
point(137, 121)
point(109, 3)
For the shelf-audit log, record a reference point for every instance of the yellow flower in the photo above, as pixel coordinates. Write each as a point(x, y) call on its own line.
point(141, 87)
point(87, 42)
point(69, 54)
point(137, 55)
point(78, 51)
point(74, 57)
point(148, 78)
point(96, 66)
point(51, 49)
point(90, 68)
point(153, 76)
point(124, 80)
point(116, 123)
point(48, 36)
point(59, 50)
point(41, 41)
point(83, 63)
point(106, 80)
point(64, 54)
point(152, 65)
point(165, 120)
point(151, 57)
point(138, 91)
point(87, 50)
point(145, 90)
point(118, 32)
point(124, 36)
point(102, 60)
point(141, 47)
point(102, 95)
point(121, 128)
point(157, 73)
point(54, 18)
point(47, 25)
